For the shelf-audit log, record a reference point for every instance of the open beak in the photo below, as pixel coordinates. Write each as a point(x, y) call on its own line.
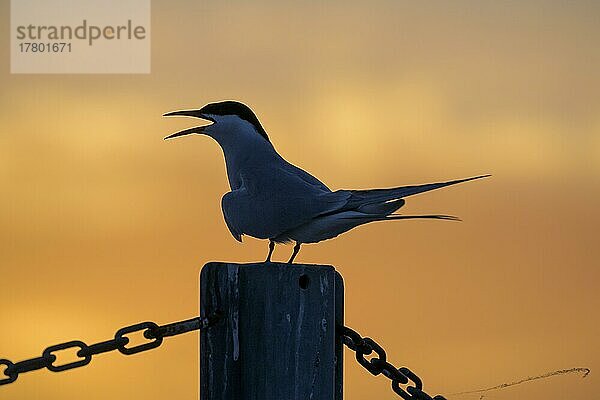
point(188, 113)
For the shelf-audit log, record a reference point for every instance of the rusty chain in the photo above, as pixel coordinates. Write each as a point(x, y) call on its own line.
point(378, 364)
point(153, 332)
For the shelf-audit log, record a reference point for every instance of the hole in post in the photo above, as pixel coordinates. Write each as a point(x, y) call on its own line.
point(303, 281)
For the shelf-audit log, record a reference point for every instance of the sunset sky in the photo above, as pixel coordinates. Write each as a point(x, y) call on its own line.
point(103, 224)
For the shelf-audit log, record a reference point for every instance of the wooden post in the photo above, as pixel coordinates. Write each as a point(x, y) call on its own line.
point(276, 339)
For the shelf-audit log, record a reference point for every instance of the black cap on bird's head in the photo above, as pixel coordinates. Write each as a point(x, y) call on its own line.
point(212, 111)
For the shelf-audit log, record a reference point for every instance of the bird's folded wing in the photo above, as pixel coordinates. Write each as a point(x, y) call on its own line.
point(372, 196)
point(273, 200)
point(228, 205)
point(302, 174)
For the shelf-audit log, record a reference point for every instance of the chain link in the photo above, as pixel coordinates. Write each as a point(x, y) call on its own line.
point(152, 332)
point(378, 364)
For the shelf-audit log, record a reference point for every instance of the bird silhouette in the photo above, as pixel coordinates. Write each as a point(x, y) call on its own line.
point(273, 199)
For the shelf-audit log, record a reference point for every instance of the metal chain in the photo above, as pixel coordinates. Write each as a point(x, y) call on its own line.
point(153, 332)
point(378, 364)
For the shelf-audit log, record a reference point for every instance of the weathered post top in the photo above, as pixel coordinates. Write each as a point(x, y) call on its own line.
point(276, 339)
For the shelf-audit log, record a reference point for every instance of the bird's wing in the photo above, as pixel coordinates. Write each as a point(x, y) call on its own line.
point(273, 200)
point(361, 207)
point(308, 178)
point(374, 197)
point(228, 207)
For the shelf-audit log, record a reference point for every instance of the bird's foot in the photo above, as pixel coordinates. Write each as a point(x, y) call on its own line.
point(271, 248)
point(294, 253)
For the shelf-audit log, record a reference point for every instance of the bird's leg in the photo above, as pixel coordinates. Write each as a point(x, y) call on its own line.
point(295, 252)
point(271, 248)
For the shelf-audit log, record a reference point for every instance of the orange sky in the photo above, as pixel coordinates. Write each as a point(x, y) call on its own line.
point(103, 224)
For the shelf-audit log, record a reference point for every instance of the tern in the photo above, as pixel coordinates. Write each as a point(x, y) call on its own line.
point(273, 199)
